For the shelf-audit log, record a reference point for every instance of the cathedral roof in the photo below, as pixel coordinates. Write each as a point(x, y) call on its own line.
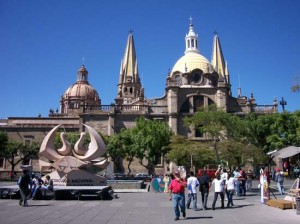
point(192, 58)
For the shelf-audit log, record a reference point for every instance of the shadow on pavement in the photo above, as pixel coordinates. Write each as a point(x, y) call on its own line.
point(200, 217)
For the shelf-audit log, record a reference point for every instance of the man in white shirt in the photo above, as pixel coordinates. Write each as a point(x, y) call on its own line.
point(192, 184)
point(219, 190)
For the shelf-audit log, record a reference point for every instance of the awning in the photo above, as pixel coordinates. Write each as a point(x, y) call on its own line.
point(287, 152)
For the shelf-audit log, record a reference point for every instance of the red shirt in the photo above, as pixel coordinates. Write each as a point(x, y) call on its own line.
point(176, 186)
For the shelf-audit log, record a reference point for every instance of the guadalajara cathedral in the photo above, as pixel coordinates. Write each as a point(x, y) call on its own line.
point(194, 81)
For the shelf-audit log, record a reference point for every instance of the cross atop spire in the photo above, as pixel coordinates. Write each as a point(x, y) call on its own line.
point(191, 39)
point(191, 21)
point(130, 31)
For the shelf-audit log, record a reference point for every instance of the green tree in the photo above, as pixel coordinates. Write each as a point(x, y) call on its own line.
point(3, 141)
point(273, 131)
point(129, 146)
point(15, 152)
point(296, 86)
point(185, 152)
point(114, 148)
point(235, 153)
point(217, 125)
point(151, 140)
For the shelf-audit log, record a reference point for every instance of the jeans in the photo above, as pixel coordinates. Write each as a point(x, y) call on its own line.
point(229, 194)
point(24, 194)
point(280, 187)
point(216, 197)
point(178, 201)
point(238, 188)
point(204, 197)
point(190, 197)
point(243, 187)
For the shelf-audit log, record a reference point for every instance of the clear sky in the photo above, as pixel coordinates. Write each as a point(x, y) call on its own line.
point(43, 42)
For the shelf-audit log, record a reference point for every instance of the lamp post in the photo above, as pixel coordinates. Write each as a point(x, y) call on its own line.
point(283, 103)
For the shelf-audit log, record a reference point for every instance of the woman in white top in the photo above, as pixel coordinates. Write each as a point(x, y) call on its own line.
point(219, 190)
point(230, 188)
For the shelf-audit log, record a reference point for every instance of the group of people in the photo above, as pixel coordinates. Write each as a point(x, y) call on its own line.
point(225, 183)
point(30, 186)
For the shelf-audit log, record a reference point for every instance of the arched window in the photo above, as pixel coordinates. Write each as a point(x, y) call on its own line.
point(178, 80)
point(198, 102)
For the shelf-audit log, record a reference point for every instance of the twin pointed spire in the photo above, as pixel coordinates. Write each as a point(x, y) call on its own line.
point(129, 85)
point(218, 61)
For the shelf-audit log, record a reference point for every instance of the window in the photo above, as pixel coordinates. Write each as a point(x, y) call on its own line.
point(198, 102)
point(158, 160)
point(198, 132)
point(27, 141)
point(192, 42)
point(26, 162)
point(178, 80)
point(1, 163)
point(185, 108)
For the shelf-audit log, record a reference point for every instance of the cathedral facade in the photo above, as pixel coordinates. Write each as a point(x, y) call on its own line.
point(193, 82)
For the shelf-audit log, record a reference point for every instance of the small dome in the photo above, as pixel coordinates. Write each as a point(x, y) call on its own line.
point(82, 69)
point(82, 91)
point(191, 61)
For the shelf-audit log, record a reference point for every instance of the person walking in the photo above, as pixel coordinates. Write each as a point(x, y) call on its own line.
point(177, 187)
point(204, 186)
point(279, 178)
point(230, 188)
point(219, 190)
point(192, 184)
point(237, 175)
point(24, 182)
point(167, 182)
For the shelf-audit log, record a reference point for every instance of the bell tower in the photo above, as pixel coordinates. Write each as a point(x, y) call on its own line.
point(130, 90)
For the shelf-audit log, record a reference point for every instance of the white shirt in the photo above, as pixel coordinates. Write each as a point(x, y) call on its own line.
point(218, 184)
point(192, 183)
point(230, 183)
point(224, 176)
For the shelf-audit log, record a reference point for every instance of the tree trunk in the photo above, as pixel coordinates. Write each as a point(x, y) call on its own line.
point(12, 172)
point(216, 150)
point(128, 166)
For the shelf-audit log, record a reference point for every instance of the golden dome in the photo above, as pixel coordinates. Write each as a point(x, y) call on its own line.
point(191, 61)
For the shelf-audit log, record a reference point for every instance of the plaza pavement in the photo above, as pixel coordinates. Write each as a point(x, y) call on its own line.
point(142, 208)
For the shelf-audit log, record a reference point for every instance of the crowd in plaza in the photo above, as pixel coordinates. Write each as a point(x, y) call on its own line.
point(225, 183)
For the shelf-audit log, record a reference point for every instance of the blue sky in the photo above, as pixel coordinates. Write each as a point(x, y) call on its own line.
point(43, 42)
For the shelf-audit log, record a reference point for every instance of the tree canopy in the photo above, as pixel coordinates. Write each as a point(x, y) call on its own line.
point(15, 149)
point(147, 141)
point(185, 152)
point(216, 125)
point(273, 131)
